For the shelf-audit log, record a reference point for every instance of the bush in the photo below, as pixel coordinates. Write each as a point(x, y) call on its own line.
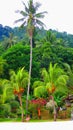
point(5, 110)
point(14, 106)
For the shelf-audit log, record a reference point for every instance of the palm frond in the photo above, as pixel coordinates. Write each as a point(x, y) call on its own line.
point(40, 15)
point(37, 83)
point(39, 91)
point(67, 67)
point(62, 80)
point(19, 79)
point(55, 66)
point(26, 8)
point(37, 5)
point(7, 92)
point(23, 13)
point(19, 20)
point(23, 24)
point(39, 23)
point(49, 85)
point(12, 75)
point(45, 75)
point(51, 70)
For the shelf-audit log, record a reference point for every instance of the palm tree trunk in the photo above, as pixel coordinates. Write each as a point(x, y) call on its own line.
point(55, 113)
point(54, 109)
point(20, 100)
point(30, 68)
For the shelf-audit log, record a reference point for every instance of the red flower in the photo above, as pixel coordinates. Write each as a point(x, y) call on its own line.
point(40, 101)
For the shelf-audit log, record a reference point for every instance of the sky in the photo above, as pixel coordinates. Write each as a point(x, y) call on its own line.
point(59, 16)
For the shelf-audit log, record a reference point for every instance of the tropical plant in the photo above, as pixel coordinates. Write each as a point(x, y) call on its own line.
point(50, 37)
point(5, 110)
point(69, 72)
point(18, 82)
point(6, 92)
point(9, 41)
point(5, 95)
point(53, 80)
point(31, 19)
point(37, 104)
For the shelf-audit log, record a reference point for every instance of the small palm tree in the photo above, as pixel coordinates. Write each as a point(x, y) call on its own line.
point(9, 41)
point(31, 19)
point(53, 80)
point(14, 87)
point(18, 82)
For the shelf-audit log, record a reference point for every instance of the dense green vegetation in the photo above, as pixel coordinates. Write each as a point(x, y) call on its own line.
point(20, 35)
point(51, 78)
point(45, 51)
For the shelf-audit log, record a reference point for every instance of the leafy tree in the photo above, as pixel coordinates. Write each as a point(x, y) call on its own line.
point(66, 54)
point(18, 56)
point(31, 19)
point(57, 54)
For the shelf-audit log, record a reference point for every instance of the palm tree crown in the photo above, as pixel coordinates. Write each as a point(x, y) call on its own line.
point(30, 16)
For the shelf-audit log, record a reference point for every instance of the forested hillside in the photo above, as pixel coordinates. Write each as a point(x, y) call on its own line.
point(48, 46)
point(20, 34)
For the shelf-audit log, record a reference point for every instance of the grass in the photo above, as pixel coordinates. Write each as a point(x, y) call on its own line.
point(19, 120)
point(32, 120)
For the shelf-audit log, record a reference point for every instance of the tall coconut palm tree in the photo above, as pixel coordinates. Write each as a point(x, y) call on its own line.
point(31, 19)
point(53, 80)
